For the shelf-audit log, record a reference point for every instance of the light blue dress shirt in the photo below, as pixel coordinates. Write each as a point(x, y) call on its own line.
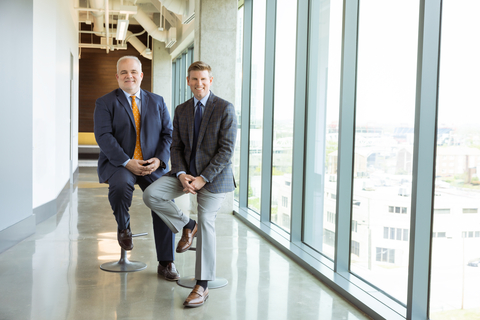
point(138, 100)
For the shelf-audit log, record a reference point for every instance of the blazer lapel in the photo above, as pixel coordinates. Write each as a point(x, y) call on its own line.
point(123, 101)
point(190, 122)
point(206, 116)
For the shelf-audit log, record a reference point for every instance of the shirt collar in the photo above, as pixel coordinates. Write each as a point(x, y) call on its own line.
point(128, 95)
point(203, 101)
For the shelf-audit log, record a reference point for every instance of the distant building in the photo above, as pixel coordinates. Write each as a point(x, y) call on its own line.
point(404, 161)
point(456, 160)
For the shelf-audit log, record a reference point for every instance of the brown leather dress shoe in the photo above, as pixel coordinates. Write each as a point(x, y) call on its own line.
point(169, 272)
point(187, 239)
point(124, 238)
point(197, 297)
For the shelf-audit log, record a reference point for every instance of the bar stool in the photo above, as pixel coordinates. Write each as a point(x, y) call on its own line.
point(124, 265)
point(190, 281)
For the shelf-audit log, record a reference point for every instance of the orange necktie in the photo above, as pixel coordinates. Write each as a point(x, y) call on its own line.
point(136, 115)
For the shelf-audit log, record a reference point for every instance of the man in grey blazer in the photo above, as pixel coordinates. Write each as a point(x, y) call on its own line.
point(204, 134)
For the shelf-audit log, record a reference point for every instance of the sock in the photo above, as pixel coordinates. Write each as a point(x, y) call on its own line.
point(190, 225)
point(164, 263)
point(203, 283)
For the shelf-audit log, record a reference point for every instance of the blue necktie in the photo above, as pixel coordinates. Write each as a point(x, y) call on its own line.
point(198, 122)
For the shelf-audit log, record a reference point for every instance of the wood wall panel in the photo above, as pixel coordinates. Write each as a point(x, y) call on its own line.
point(97, 71)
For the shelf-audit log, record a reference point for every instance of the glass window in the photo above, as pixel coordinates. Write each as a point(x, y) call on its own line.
point(190, 52)
point(322, 120)
point(455, 274)
point(355, 248)
point(256, 105)
point(283, 111)
point(384, 119)
point(391, 255)
point(180, 91)
point(174, 85)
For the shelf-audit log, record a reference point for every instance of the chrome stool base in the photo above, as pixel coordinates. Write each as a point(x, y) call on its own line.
point(124, 265)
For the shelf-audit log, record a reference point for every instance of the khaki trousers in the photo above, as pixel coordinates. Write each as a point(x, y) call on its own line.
point(158, 197)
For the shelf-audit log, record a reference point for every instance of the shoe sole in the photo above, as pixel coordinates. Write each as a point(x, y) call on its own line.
point(196, 305)
point(168, 279)
point(182, 251)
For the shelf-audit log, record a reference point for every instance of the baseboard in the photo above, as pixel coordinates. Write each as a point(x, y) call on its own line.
point(25, 228)
point(45, 211)
point(16, 233)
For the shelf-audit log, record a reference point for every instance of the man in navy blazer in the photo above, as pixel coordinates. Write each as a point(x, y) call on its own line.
point(204, 134)
point(116, 132)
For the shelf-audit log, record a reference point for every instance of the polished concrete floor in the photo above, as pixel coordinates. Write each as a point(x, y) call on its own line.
point(55, 273)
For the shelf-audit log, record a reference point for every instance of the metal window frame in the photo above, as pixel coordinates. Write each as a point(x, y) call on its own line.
point(245, 109)
point(182, 78)
point(423, 182)
point(337, 275)
point(268, 101)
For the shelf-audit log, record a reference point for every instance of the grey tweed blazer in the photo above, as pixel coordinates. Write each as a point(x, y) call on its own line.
point(216, 142)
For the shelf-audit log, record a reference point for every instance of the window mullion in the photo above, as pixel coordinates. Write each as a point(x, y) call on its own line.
point(424, 158)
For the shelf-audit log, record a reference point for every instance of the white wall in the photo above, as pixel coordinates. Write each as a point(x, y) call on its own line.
point(55, 40)
point(16, 120)
point(38, 40)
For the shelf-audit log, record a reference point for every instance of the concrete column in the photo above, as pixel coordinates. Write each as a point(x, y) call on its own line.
point(162, 73)
point(215, 43)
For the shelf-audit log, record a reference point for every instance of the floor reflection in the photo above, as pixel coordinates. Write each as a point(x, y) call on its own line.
point(55, 273)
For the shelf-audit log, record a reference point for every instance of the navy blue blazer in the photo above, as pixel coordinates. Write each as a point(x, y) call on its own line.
point(115, 132)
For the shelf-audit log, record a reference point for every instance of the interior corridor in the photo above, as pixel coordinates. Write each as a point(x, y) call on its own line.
point(55, 273)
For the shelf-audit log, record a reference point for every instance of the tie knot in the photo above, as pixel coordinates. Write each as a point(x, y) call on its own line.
point(133, 98)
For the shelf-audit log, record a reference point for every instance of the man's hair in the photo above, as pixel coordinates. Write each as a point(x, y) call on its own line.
point(129, 57)
point(200, 66)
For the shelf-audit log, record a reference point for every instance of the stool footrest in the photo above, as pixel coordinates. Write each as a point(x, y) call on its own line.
point(124, 265)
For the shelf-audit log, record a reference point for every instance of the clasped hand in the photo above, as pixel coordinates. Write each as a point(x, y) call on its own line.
point(143, 167)
point(190, 183)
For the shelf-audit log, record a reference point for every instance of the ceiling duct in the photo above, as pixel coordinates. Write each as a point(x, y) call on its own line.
point(169, 37)
point(190, 13)
point(184, 7)
point(144, 20)
point(172, 37)
point(139, 46)
point(98, 16)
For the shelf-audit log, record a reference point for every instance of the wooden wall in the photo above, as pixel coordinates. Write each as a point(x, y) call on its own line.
point(97, 71)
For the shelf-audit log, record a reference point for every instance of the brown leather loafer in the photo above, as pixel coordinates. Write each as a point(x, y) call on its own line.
point(187, 239)
point(197, 297)
point(169, 272)
point(124, 238)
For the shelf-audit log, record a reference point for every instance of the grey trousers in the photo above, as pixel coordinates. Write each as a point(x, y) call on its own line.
point(158, 197)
